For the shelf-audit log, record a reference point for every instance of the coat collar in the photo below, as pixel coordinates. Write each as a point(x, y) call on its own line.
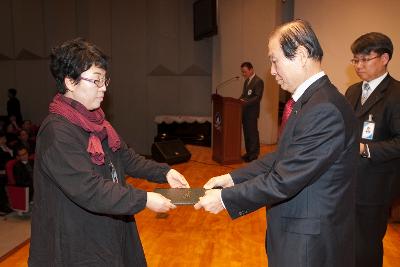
point(251, 81)
point(375, 96)
point(315, 86)
point(311, 90)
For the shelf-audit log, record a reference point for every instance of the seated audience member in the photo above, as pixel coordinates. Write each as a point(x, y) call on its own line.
point(11, 135)
point(3, 122)
point(25, 140)
point(30, 128)
point(6, 154)
point(23, 170)
point(13, 120)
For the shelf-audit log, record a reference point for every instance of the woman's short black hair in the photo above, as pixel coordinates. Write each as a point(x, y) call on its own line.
point(73, 57)
point(299, 33)
point(373, 42)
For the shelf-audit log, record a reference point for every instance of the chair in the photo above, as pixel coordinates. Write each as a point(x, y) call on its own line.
point(18, 196)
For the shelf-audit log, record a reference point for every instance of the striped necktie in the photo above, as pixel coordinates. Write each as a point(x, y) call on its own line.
point(365, 93)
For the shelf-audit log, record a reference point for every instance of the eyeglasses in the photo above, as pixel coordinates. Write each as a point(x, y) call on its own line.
point(99, 83)
point(363, 60)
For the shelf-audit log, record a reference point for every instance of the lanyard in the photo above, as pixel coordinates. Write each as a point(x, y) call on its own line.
point(113, 171)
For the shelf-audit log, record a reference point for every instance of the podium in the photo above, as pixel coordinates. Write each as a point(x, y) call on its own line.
point(227, 130)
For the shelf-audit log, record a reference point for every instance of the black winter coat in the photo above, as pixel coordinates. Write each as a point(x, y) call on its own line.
point(80, 216)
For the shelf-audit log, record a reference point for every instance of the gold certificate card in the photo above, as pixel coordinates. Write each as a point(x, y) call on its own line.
point(182, 196)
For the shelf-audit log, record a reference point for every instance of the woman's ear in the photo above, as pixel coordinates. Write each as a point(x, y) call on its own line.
point(69, 84)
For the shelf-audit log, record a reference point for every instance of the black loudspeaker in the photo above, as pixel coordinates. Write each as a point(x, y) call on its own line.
point(171, 152)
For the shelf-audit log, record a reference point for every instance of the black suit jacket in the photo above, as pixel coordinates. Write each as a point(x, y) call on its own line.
point(252, 94)
point(308, 182)
point(378, 177)
point(22, 175)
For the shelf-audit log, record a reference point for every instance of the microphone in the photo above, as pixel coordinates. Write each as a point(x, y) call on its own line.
point(225, 83)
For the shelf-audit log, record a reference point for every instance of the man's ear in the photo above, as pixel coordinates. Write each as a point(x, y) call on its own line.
point(69, 83)
point(302, 53)
point(385, 58)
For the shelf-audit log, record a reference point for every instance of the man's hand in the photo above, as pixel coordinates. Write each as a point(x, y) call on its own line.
point(362, 148)
point(158, 203)
point(211, 201)
point(222, 181)
point(176, 180)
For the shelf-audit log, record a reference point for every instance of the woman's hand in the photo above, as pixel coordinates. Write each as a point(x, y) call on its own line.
point(158, 203)
point(176, 180)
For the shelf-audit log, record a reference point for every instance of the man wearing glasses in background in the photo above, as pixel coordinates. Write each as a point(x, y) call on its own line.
point(376, 102)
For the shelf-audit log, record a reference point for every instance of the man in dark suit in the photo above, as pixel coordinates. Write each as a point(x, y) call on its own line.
point(308, 182)
point(251, 96)
point(376, 101)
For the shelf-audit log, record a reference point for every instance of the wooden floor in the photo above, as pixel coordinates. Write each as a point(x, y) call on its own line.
point(185, 237)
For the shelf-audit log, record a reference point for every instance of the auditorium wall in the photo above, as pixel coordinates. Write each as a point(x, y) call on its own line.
point(156, 67)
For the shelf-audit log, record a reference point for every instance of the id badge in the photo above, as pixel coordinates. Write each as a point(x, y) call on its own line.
point(368, 129)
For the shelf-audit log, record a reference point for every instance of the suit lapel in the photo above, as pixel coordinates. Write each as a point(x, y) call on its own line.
point(375, 97)
point(286, 134)
point(305, 97)
point(311, 90)
point(250, 85)
point(244, 93)
point(355, 97)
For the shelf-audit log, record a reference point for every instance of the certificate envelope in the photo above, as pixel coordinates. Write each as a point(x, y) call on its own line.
point(182, 196)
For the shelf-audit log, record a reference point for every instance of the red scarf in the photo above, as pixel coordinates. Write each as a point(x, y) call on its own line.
point(93, 122)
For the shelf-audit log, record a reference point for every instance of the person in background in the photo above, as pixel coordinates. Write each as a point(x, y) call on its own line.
point(6, 154)
point(253, 89)
point(29, 128)
point(14, 122)
point(3, 123)
point(83, 207)
point(376, 102)
point(308, 182)
point(13, 105)
point(23, 170)
point(25, 141)
point(12, 131)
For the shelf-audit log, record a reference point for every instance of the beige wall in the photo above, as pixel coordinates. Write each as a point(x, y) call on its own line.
point(338, 23)
point(243, 32)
